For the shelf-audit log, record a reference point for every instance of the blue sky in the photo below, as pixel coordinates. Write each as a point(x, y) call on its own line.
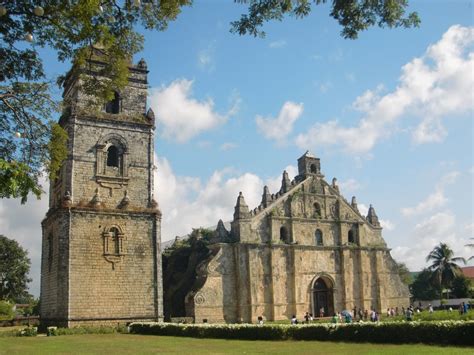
point(389, 114)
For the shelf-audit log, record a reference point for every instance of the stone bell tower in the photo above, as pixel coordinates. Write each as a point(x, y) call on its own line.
point(101, 246)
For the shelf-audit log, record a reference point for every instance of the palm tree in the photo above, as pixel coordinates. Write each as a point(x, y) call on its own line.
point(472, 246)
point(444, 265)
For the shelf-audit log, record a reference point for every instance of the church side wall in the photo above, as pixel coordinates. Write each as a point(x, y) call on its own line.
point(217, 300)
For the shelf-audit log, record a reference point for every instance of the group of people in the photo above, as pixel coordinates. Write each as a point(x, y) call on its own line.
point(463, 307)
point(358, 314)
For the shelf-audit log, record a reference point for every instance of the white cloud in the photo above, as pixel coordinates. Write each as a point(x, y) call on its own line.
point(324, 87)
point(23, 224)
point(470, 229)
point(427, 234)
point(349, 186)
point(228, 146)
point(434, 200)
point(277, 44)
point(189, 202)
point(279, 128)
point(274, 184)
point(182, 116)
point(363, 209)
point(205, 57)
point(437, 85)
point(387, 224)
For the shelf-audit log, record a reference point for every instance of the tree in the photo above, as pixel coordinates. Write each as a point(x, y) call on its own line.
point(422, 287)
point(71, 27)
point(444, 267)
point(471, 245)
point(353, 15)
point(14, 268)
point(404, 273)
point(461, 286)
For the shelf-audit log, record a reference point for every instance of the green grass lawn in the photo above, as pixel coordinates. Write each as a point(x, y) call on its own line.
point(112, 344)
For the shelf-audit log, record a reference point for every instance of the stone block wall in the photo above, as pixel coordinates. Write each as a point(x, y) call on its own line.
point(120, 287)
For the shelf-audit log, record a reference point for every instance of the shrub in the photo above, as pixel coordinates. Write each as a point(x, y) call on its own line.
point(54, 331)
point(444, 332)
point(6, 310)
point(28, 332)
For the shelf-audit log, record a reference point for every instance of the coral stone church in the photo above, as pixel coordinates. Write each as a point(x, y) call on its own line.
point(303, 249)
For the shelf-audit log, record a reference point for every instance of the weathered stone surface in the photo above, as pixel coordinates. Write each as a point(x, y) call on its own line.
point(101, 257)
point(287, 247)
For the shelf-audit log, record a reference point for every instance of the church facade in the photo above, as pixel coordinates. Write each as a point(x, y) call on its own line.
point(303, 249)
point(101, 245)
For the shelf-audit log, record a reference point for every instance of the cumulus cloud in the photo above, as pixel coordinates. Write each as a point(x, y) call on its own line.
point(431, 231)
point(325, 87)
point(181, 116)
point(23, 224)
point(280, 127)
point(205, 57)
point(349, 186)
point(387, 224)
point(363, 209)
point(189, 202)
point(434, 200)
point(432, 87)
point(277, 44)
point(228, 146)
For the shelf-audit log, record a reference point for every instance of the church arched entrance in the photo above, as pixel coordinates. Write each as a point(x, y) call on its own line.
point(322, 297)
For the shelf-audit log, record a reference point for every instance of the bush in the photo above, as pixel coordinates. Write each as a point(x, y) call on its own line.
point(6, 311)
point(443, 332)
point(54, 331)
point(28, 332)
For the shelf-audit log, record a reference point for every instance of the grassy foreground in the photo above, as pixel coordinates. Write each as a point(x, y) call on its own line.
point(143, 344)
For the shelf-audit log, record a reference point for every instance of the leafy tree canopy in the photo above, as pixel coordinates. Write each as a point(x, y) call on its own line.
point(354, 16)
point(28, 139)
point(14, 268)
point(461, 286)
point(423, 288)
point(404, 273)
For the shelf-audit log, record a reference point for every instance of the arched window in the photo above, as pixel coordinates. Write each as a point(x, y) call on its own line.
point(313, 169)
point(352, 235)
point(112, 160)
point(284, 235)
point(319, 237)
point(317, 210)
point(113, 156)
point(116, 240)
point(113, 106)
